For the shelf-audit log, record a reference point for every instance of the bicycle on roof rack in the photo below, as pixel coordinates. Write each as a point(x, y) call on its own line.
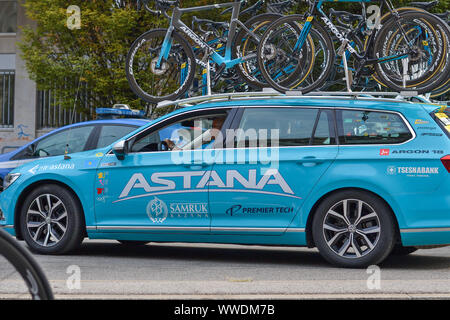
point(161, 63)
point(408, 51)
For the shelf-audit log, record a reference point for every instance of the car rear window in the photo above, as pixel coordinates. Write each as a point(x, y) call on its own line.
point(442, 117)
point(371, 127)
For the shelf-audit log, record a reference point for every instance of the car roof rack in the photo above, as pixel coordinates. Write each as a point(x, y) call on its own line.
point(269, 94)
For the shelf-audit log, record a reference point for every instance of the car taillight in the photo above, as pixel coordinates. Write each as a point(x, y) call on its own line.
point(446, 162)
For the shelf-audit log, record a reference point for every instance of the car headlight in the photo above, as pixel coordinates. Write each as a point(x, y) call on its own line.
point(10, 179)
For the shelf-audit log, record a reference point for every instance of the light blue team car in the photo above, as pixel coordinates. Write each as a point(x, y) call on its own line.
point(358, 178)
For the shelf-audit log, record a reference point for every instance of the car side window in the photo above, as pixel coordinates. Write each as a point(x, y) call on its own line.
point(197, 132)
point(371, 127)
point(112, 133)
point(293, 126)
point(54, 145)
point(324, 134)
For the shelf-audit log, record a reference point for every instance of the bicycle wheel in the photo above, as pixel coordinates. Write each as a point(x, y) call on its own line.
point(286, 67)
point(245, 45)
point(336, 80)
point(23, 262)
point(175, 74)
point(441, 90)
point(424, 69)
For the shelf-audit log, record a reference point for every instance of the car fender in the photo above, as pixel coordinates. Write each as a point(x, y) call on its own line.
point(322, 190)
point(47, 178)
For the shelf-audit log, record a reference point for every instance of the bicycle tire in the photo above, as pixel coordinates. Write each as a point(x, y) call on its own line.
point(440, 66)
point(329, 55)
point(441, 90)
point(189, 59)
point(26, 266)
point(243, 69)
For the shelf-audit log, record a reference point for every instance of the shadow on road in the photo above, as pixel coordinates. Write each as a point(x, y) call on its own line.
point(420, 260)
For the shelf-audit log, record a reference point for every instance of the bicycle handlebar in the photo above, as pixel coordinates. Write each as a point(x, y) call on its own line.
point(280, 7)
point(162, 6)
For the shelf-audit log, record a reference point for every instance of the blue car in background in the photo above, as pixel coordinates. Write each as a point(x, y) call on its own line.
point(359, 178)
point(77, 137)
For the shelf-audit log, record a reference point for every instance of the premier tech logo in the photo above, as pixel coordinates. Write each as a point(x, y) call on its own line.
point(201, 181)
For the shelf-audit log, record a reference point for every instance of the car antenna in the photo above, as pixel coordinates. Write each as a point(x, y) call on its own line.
point(66, 151)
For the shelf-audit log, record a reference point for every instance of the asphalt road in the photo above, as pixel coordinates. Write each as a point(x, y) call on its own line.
point(108, 269)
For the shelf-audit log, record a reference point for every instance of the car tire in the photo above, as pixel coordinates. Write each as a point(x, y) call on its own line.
point(400, 250)
point(51, 220)
point(133, 243)
point(361, 235)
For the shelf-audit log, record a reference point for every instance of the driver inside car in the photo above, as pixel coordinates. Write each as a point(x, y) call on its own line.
point(204, 141)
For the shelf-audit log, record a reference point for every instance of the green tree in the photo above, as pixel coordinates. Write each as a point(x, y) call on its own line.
point(57, 57)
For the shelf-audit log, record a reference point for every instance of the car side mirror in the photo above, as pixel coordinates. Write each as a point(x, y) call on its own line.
point(120, 149)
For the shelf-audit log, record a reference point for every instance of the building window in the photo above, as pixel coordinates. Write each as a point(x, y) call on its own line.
point(8, 16)
point(6, 98)
point(50, 113)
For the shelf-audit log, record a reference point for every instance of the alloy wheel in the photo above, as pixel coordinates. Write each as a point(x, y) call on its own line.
point(47, 220)
point(351, 228)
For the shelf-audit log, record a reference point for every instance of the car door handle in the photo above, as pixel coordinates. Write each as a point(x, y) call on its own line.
point(310, 161)
point(196, 166)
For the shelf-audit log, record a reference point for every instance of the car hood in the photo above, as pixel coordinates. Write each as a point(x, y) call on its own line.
point(81, 160)
point(6, 156)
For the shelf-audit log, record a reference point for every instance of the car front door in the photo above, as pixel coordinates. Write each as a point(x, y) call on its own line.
point(274, 158)
point(159, 185)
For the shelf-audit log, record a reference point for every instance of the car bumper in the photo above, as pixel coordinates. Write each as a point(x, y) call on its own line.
point(425, 236)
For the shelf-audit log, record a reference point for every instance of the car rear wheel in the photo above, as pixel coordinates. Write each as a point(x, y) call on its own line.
point(51, 220)
point(353, 229)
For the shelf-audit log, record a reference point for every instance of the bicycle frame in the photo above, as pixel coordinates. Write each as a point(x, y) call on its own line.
point(317, 8)
point(225, 60)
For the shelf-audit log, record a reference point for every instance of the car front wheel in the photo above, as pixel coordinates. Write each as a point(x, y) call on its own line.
point(353, 229)
point(51, 220)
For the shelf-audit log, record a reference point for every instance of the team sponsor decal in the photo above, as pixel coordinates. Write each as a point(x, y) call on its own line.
point(157, 210)
point(426, 128)
point(99, 154)
point(90, 163)
point(186, 210)
point(101, 188)
point(432, 134)
point(202, 181)
point(420, 121)
point(59, 166)
point(413, 171)
point(384, 152)
point(418, 151)
point(239, 209)
point(108, 164)
point(444, 118)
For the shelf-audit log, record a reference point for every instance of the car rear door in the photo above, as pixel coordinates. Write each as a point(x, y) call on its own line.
point(274, 157)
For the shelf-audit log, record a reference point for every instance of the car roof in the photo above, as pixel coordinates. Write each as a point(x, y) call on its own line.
point(342, 102)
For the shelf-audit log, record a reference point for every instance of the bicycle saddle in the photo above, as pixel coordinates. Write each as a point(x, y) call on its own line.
point(444, 16)
point(214, 24)
point(166, 4)
point(346, 16)
point(424, 5)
